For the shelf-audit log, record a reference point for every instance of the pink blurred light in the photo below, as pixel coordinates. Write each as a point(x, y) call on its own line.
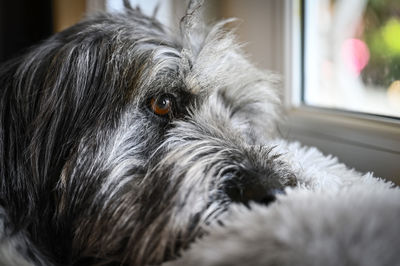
point(355, 53)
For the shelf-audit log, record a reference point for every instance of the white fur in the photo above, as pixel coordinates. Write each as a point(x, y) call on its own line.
point(335, 216)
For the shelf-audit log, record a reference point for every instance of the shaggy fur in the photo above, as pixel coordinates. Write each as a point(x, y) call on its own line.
point(91, 175)
point(335, 216)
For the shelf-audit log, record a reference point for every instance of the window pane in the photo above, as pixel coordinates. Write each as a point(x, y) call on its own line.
point(352, 55)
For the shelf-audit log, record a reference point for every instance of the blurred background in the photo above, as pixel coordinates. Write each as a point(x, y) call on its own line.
point(352, 54)
point(25, 22)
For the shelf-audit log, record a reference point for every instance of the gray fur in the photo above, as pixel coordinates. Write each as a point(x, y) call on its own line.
point(306, 229)
point(90, 175)
point(103, 179)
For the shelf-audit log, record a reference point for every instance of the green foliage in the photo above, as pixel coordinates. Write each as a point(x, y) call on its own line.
point(382, 36)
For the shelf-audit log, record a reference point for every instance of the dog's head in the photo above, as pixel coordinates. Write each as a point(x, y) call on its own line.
point(120, 142)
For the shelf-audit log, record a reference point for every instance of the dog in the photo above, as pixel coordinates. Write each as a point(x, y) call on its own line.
point(121, 141)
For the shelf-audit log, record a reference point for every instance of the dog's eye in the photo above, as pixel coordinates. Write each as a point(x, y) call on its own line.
point(161, 105)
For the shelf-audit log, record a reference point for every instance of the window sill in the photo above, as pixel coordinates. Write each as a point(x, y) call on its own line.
point(359, 141)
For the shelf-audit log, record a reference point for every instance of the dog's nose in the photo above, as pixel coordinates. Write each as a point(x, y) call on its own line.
point(242, 194)
point(245, 188)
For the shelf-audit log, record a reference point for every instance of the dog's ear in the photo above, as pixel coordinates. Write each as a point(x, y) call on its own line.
point(194, 5)
point(127, 5)
point(192, 14)
point(129, 8)
point(192, 27)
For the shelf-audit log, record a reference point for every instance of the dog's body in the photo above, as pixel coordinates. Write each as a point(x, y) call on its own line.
point(335, 216)
point(120, 142)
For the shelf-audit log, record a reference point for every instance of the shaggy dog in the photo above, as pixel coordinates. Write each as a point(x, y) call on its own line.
point(122, 143)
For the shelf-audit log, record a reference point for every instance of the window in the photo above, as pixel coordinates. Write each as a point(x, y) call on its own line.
point(352, 55)
point(339, 96)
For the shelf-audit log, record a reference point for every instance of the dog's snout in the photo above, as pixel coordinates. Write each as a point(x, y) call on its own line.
point(245, 188)
point(270, 196)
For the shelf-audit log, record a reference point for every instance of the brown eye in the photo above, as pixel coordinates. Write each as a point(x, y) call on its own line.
point(161, 105)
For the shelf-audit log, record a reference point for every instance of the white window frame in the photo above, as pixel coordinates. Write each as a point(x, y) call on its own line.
point(366, 142)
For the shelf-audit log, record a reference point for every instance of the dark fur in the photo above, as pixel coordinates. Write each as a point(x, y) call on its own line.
point(75, 111)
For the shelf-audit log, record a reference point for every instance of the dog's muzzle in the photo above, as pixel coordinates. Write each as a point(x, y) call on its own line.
point(244, 186)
